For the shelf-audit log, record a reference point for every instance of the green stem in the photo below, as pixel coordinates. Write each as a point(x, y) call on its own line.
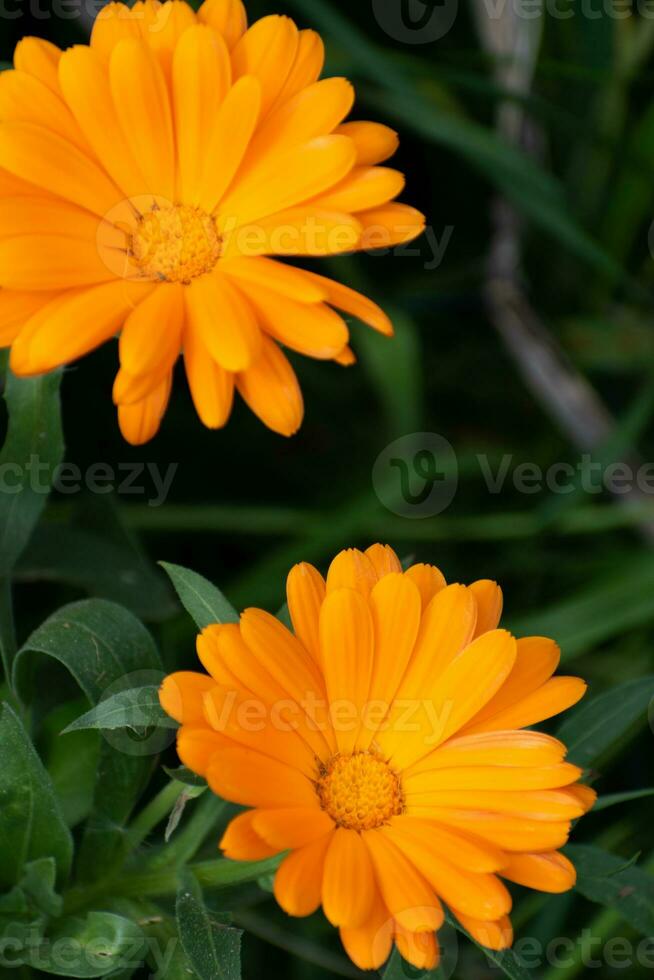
point(7, 630)
point(210, 874)
point(187, 841)
point(156, 811)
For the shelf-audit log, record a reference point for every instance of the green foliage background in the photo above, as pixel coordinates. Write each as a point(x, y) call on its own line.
point(245, 504)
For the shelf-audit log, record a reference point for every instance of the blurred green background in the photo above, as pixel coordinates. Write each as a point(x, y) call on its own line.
point(530, 340)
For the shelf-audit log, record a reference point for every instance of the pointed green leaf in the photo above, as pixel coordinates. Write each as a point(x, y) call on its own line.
point(32, 450)
point(597, 725)
point(202, 600)
point(31, 822)
point(137, 707)
point(213, 948)
point(613, 882)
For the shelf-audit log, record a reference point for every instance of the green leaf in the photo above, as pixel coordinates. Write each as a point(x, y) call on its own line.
point(31, 452)
point(27, 907)
point(106, 567)
point(613, 799)
point(136, 708)
point(605, 879)
point(98, 642)
point(31, 822)
point(595, 727)
point(184, 775)
point(106, 650)
point(94, 946)
point(213, 949)
point(71, 762)
point(201, 599)
point(598, 612)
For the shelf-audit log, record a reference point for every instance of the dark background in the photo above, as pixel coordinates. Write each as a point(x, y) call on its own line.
point(246, 504)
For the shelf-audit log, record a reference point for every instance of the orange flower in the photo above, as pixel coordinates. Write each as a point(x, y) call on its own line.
point(381, 745)
point(147, 179)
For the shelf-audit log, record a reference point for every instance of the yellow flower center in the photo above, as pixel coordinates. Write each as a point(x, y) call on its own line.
point(359, 791)
point(175, 244)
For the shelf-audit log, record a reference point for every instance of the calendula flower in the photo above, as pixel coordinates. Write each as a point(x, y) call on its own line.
point(149, 183)
point(381, 744)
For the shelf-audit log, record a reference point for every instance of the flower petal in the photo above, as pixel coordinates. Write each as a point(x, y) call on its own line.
point(240, 842)
point(348, 884)
point(253, 779)
point(227, 17)
point(271, 390)
point(305, 592)
point(267, 50)
point(409, 898)
point(298, 882)
point(201, 79)
point(292, 827)
point(223, 320)
point(143, 108)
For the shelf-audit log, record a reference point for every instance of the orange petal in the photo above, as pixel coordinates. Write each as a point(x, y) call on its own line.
point(310, 328)
point(546, 872)
point(276, 276)
point(240, 842)
point(488, 596)
point(351, 569)
point(298, 882)
point(181, 696)
point(267, 50)
point(374, 142)
point(28, 99)
point(151, 337)
point(481, 895)
point(143, 108)
point(286, 180)
point(212, 388)
point(72, 324)
point(252, 779)
point(113, 23)
point(395, 608)
point(271, 390)
point(306, 68)
point(420, 949)
point(509, 832)
point(369, 945)
point(16, 308)
point(281, 654)
point(305, 592)
point(139, 421)
point(464, 851)
point(227, 142)
point(201, 79)
point(39, 58)
point(408, 897)
point(346, 299)
point(428, 579)
point(292, 827)
point(364, 188)
point(348, 885)
point(224, 321)
point(85, 85)
point(392, 224)
point(493, 935)
point(314, 111)
point(55, 165)
point(196, 746)
point(346, 653)
point(384, 559)
point(227, 17)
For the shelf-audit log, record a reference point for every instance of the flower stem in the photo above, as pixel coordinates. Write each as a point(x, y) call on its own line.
point(155, 811)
